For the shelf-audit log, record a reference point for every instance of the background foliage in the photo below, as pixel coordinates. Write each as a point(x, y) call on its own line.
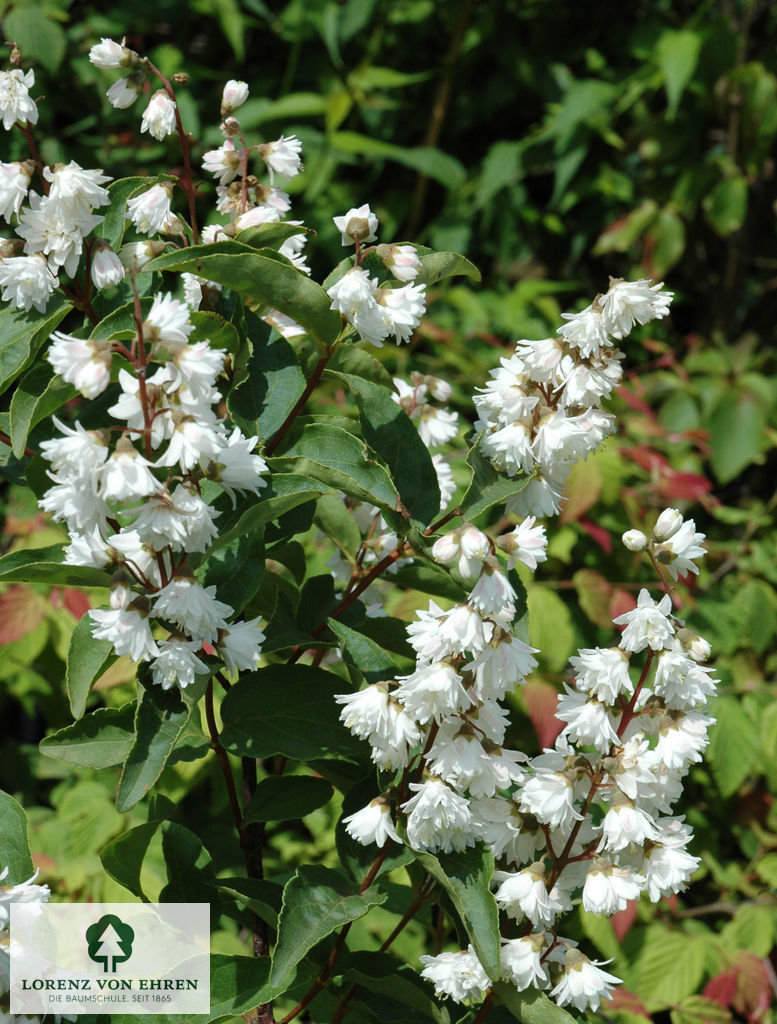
point(556, 144)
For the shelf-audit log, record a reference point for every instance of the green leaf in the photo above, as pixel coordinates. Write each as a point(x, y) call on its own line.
point(436, 266)
point(123, 856)
point(213, 328)
point(38, 37)
point(274, 382)
point(287, 798)
point(44, 565)
point(670, 966)
point(385, 974)
point(232, 24)
point(725, 207)
point(22, 334)
point(38, 394)
point(190, 873)
point(389, 431)
point(359, 362)
point(531, 1006)
point(160, 718)
point(87, 659)
point(112, 228)
point(756, 606)
point(364, 654)
point(430, 579)
point(235, 569)
point(316, 902)
point(487, 487)
point(701, 1010)
point(262, 276)
point(753, 928)
point(465, 877)
point(677, 55)
point(432, 163)
point(341, 461)
point(285, 709)
point(667, 237)
point(335, 519)
point(99, 740)
point(260, 896)
point(550, 625)
point(733, 748)
point(356, 858)
point(14, 844)
point(270, 236)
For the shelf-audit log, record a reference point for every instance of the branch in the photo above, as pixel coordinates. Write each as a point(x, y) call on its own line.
point(315, 376)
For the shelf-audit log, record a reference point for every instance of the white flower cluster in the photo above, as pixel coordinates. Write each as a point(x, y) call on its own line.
point(673, 544)
point(24, 892)
point(541, 411)
point(377, 311)
point(137, 505)
point(590, 820)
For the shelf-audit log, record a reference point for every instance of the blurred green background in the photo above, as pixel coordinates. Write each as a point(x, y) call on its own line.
point(555, 144)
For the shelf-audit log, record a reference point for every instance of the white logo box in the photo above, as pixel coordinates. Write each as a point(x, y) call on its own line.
point(133, 958)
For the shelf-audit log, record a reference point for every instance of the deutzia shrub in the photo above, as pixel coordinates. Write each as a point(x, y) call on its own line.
point(170, 428)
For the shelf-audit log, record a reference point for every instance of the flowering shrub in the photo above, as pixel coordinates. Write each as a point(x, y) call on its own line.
point(186, 482)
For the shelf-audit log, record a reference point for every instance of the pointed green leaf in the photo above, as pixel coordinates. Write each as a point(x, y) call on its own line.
point(99, 740)
point(87, 659)
point(285, 709)
point(235, 569)
point(389, 431)
point(364, 654)
point(159, 721)
point(287, 798)
point(14, 844)
point(263, 276)
point(113, 227)
point(677, 54)
point(487, 487)
point(385, 974)
point(465, 877)
point(260, 896)
point(38, 394)
point(44, 565)
point(22, 334)
point(531, 1006)
point(316, 902)
point(436, 266)
point(339, 460)
point(123, 856)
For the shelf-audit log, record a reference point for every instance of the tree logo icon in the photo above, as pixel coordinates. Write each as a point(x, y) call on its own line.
point(109, 942)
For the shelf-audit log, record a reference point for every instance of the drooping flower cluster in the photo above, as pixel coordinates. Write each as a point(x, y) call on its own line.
point(541, 411)
point(136, 505)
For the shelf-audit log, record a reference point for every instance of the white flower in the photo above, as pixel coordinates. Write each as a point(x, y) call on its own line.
point(630, 302)
point(235, 467)
point(677, 551)
point(458, 975)
point(126, 474)
point(433, 691)
point(234, 95)
point(354, 296)
point(584, 984)
point(403, 309)
point(14, 184)
point(589, 721)
point(624, 825)
point(681, 740)
point(193, 608)
point(438, 818)
point(520, 960)
point(634, 540)
point(585, 332)
point(192, 441)
point(15, 101)
point(240, 645)
point(372, 824)
point(445, 480)
point(107, 269)
point(359, 223)
point(123, 93)
point(667, 865)
point(527, 543)
point(159, 116)
point(135, 255)
point(79, 189)
point(366, 711)
point(493, 594)
point(501, 825)
point(502, 666)
point(647, 625)
point(56, 229)
point(394, 736)
point(681, 681)
point(150, 211)
point(467, 546)
point(167, 321)
point(438, 634)
point(402, 261)
point(603, 673)
point(27, 281)
point(86, 364)
point(667, 524)
point(127, 628)
point(87, 549)
point(283, 157)
point(524, 892)
point(608, 887)
point(24, 892)
point(177, 664)
point(223, 163)
point(109, 54)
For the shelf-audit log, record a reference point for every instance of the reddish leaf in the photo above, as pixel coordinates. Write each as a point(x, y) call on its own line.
point(634, 401)
point(722, 988)
point(753, 994)
point(583, 489)
point(622, 601)
point(624, 919)
point(629, 1002)
point(76, 602)
point(541, 700)
point(602, 537)
point(644, 457)
point(21, 611)
point(594, 594)
point(676, 486)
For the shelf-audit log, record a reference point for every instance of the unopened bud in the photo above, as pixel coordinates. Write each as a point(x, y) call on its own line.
point(234, 95)
point(180, 78)
point(230, 127)
point(695, 645)
point(634, 540)
point(668, 523)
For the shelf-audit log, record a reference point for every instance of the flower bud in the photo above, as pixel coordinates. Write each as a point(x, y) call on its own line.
point(401, 260)
point(110, 54)
point(695, 645)
point(135, 255)
point(124, 92)
point(669, 522)
point(107, 269)
point(234, 95)
point(634, 540)
point(359, 224)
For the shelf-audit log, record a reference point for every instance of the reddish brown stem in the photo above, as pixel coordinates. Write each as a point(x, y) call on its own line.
point(482, 1013)
point(141, 370)
point(5, 439)
point(223, 759)
point(279, 435)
